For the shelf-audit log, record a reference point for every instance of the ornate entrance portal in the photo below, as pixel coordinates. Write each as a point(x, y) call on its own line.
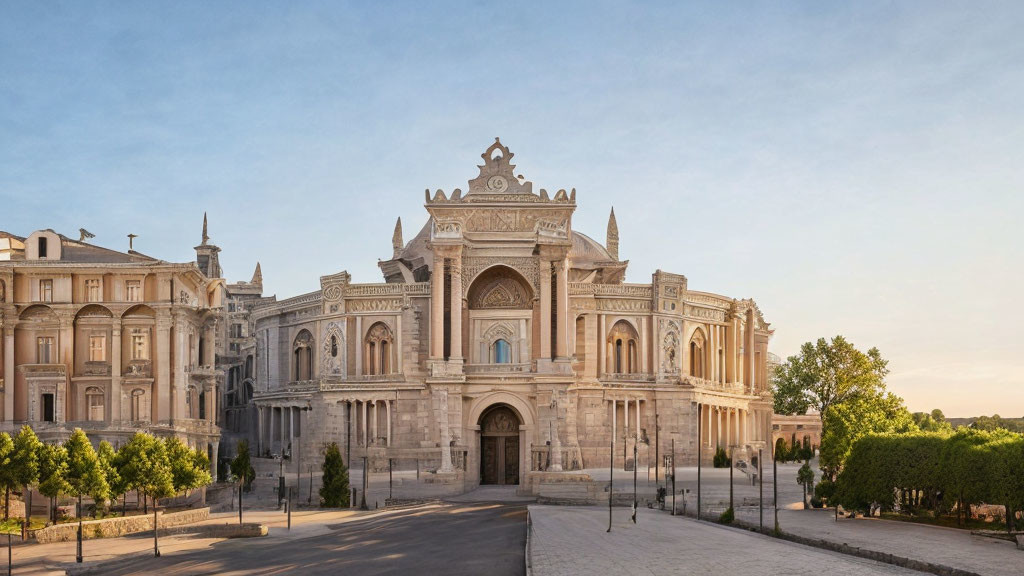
point(499, 446)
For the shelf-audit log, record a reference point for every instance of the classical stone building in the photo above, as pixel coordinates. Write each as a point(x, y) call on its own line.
point(797, 429)
point(504, 342)
point(111, 342)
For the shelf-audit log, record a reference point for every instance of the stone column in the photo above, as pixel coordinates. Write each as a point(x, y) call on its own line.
point(291, 426)
point(360, 346)
point(456, 305)
point(446, 436)
point(162, 385)
point(259, 431)
point(178, 394)
point(562, 294)
point(8, 373)
point(214, 457)
point(365, 426)
point(637, 403)
point(615, 410)
point(601, 348)
point(748, 351)
point(375, 421)
point(708, 410)
point(387, 414)
point(115, 372)
point(718, 435)
point(625, 417)
point(437, 308)
point(545, 309)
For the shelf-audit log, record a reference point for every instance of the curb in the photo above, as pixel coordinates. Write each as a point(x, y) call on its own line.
point(877, 556)
point(226, 531)
point(529, 550)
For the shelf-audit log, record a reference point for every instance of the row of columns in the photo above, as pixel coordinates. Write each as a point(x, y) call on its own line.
point(277, 428)
point(449, 258)
point(365, 415)
point(723, 426)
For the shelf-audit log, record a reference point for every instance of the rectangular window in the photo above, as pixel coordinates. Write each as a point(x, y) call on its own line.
point(92, 291)
point(47, 408)
point(46, 290)
point(44, 354)
point(97, 348)
point(139, 351)
point(133, 291)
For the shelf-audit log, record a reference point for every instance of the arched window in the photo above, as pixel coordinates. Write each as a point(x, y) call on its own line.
point(697, 355)
point(502, 352)
point(623, 349)
point(192, 402)
point(377, 349)
point(302, 354)
point(139, 406)
point(94, 403)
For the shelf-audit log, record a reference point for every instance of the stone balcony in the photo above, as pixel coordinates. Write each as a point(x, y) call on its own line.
point(471, 369)
point(92, 368)
point(632, 377)
point(139, 369)
point(729, 387)
point(43, 370)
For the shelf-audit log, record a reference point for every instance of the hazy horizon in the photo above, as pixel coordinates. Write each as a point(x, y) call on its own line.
point(854, 169)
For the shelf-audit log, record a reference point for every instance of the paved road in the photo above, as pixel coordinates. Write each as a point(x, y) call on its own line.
point(469, 539)
point(570, 540)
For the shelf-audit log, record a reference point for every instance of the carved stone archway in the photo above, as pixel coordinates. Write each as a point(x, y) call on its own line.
point(500, 445)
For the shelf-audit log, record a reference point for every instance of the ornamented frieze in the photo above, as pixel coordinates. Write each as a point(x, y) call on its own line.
point(705, 313)
point(382, 305)
point(623, 305)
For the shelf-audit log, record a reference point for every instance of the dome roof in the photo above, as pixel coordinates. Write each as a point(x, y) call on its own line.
point(586, 251)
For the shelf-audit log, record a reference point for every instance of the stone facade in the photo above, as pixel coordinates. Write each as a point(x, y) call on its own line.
point(795, 429)
point(496, 307)
point(110, 342)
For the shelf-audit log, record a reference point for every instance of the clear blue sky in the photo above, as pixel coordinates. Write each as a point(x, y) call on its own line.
point(856, 169)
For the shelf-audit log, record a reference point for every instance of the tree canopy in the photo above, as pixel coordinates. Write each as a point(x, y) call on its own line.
point(84, 474)
point(825, 373)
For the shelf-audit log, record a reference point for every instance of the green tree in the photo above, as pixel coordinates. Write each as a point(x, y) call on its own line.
point(855, 418)
point(805, 478)
point(933, 421)
point(335, 492)
point(53, 469)
point(241, 466)
point(190, 468)
point(143, 466)
point(108, 464)
point(26, 459)
point(826, 373)
point(7, 472)
point(85, 475)
point(781, 452)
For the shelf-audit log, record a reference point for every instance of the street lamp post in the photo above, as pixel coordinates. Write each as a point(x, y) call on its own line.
point(611, 481)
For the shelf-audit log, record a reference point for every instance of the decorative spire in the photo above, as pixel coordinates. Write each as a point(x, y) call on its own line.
point(257, 276)
point(396, 239)
point(612, 242)
point(206, 237)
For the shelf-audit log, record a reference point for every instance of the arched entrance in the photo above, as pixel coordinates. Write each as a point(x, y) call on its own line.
point(499, 446)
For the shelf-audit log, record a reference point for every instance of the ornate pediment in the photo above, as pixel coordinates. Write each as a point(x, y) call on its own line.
point(496, 174)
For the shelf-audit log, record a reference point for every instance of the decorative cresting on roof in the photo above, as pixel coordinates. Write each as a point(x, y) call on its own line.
point(496, 173)
point(498, 182)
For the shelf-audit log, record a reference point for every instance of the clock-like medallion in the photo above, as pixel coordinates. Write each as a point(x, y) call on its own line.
point(497, 184)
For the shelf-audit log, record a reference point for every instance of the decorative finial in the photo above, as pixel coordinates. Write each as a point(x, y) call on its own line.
point(396, 239)
point(206, 237)
point(84, 234)
point(131, 240)
point(612, 241)
point(257, 276)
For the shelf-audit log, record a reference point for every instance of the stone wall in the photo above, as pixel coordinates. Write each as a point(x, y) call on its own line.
point(114, 527)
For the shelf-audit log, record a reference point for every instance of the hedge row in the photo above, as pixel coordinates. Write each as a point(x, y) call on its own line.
point(934, 471)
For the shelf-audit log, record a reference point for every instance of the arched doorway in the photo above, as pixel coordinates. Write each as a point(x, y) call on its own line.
point(499, 446)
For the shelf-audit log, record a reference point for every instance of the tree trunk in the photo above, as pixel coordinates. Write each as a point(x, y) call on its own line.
point(7, 502)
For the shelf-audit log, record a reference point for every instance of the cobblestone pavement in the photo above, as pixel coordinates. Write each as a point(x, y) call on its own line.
point(944, 546)
point(572, 540)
